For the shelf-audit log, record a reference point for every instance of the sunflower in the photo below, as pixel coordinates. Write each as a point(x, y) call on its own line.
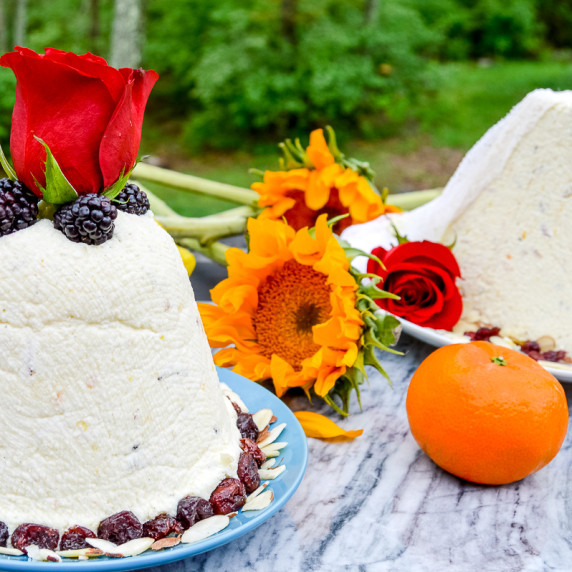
point(291, 311)
point(319, 184)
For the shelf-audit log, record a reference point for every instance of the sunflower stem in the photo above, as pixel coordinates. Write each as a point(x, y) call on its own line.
point(214, 250)
point(204, 230)
point(192, 184)
point(410, 201)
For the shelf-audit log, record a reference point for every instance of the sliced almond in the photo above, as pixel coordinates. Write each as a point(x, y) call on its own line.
point(272, 436)
point(268, 463)
point(260, 502)
point(101, 544)
point(273, 419)
point(255, 493)
point(270, 474)
point(81, 553)
point(205, 528)
point(167, 542)
point(262, 435)
point(10, 551)
point(273, 450)
point(42, 554)
point(135, 546)
point(262, 418)
point(130, 548)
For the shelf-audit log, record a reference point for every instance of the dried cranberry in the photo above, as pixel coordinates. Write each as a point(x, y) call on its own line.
point(42, 536)
point(534, 355)
point(530, 347)
point(3, 534)
point(483, 334)
point(162, 526)
point(192, 509)
point(247, 427)
point(248, 472)
point(74, 538)
point(554, 356)
point(253, 449)
point(230, 495)
point(120, 527)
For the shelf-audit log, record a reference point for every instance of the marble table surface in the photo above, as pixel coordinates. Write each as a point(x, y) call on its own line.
point(378, 503)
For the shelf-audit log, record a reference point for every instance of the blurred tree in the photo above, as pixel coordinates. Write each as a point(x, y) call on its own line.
point(3, 28)
point(127, 34)
point(557, 17)
point(20, 22)
point(94, 24)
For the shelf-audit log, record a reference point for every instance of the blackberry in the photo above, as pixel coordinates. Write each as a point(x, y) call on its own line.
point(18, 207)
point(88, 219)
point(132, 200)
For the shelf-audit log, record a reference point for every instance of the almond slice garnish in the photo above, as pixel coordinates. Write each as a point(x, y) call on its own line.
point(272, 436)
point(268, 464)
point(130, 548)
point(42, 554)
point(205, 528)
point(270, 474)
point(10, 551)
point(262, 435)
point(273, 450)
point(255, 493)
point(82, 552)
point(262, 418)
point(167, 542)
point(260, 502)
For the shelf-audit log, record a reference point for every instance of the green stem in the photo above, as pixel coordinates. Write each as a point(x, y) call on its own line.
point(158, 206)
point(214, 250)
point(192, 184)
point(412, 200)
point(204, 230)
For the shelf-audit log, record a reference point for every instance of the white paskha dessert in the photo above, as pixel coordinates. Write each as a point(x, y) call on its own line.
point(109, 397)
point(508, 209)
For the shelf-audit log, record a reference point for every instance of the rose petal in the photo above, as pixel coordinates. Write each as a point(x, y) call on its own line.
point(120, 143)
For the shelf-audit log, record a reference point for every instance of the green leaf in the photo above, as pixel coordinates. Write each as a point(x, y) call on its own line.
point(10, 173)
point(336, 219)
point(58, 189)
point(118, 186)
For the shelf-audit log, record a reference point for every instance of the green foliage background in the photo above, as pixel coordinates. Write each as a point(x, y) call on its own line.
point(234, 72)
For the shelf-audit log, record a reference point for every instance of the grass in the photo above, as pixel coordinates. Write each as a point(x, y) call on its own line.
point(443, 125)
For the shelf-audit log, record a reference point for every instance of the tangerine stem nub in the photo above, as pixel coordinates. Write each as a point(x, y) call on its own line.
point(498, 360)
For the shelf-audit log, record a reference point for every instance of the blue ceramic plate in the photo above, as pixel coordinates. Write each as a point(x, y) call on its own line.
point(295, 457)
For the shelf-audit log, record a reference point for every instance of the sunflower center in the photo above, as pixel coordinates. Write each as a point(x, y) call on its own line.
point(300, 215)
point(290, 302)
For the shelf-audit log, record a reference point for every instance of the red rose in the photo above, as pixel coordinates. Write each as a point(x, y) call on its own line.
point(89, 114)
point(423, 275)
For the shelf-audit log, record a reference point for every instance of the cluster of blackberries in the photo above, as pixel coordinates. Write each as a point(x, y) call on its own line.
point(88, 219)
point(18, 207)
point(132, 200)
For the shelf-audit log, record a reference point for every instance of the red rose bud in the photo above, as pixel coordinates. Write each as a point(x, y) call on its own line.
point(423, 275)
point(89, 114)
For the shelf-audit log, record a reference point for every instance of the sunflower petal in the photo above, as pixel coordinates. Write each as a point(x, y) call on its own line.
point(321, 427)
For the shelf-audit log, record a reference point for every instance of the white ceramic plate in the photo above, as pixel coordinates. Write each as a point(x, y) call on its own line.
point(439, 338)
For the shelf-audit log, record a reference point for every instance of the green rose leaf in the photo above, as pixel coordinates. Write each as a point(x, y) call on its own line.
point(118, 186)
point(58, 189)
point(10, 173)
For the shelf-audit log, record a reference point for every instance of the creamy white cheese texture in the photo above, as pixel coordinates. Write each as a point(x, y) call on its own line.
point(508, 208)
point(109, 399)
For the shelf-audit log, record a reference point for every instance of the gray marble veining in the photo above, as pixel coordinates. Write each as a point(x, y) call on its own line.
point(378, 503)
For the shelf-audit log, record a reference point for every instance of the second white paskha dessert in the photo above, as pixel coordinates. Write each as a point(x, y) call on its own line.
point(110, 400)
point(507, 208)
